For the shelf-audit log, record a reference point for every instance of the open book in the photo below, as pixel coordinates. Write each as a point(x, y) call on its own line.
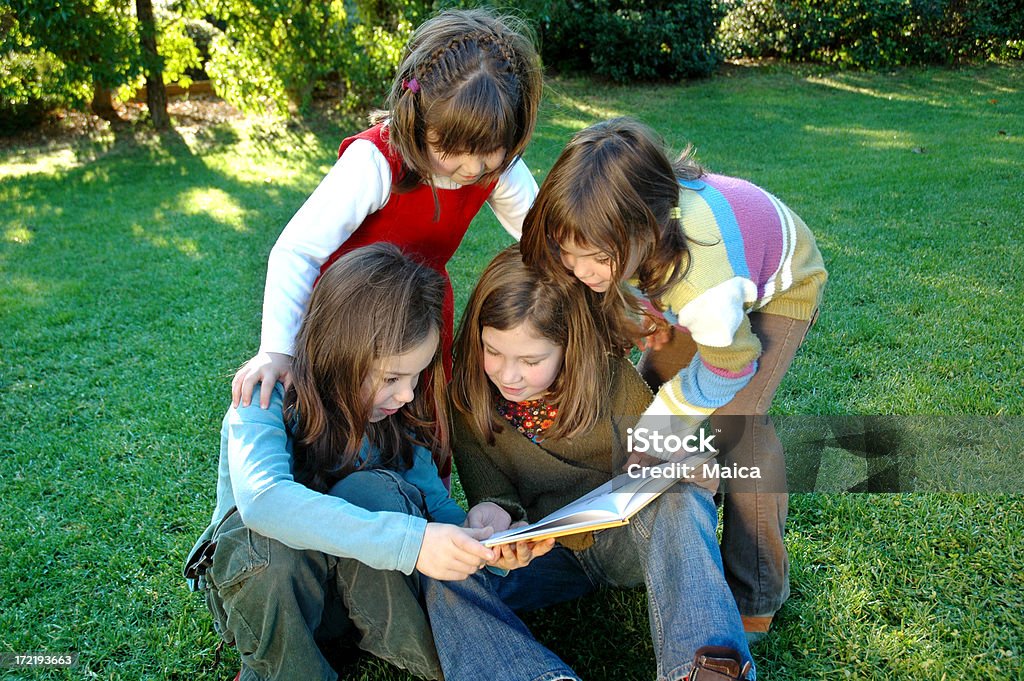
point(610, 505)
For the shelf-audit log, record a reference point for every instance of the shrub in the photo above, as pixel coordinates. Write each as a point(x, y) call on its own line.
point(273, 55)
point(30, 84)
point(874, 33)
point(627, 40)
point(58, 59)
point(63, 54)
point(202, 34)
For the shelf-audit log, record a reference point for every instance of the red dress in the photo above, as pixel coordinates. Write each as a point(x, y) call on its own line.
point(407, 220)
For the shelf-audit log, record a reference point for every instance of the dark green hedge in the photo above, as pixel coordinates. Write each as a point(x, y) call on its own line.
point(874, 33)
point(628, 40)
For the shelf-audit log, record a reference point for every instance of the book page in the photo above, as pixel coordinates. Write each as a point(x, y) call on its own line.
point(609, 505)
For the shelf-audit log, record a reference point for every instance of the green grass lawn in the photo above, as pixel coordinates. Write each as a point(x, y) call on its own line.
point(132, 275)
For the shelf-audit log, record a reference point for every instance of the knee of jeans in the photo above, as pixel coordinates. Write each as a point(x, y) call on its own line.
point(687, 505)
point(379, 490)
point(446, 594)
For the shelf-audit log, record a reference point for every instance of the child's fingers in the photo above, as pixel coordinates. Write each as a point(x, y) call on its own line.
point(236, 389)
point(266, 378)
point(248, 386)
point(462, 564)
point(508, 555)
point(636, 458)
point(239, 394)
point(524, 554)
point(453, 572)
point(469, 541)
point(450, 552)
point(539, 548)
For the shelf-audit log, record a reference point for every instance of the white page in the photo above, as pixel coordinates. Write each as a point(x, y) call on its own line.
point(613, 501)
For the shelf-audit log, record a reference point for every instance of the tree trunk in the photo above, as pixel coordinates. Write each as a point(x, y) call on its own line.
point(103, 103)
point(156, 94)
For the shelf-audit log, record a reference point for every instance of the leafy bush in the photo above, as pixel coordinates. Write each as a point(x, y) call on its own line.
point(57, 59)
point(874, 33)
point(273, 55)
point(85, 43)
point(29, 83)
point(179, 53)
point(627, 40)
point(202, 34)
point(25, 78)
point(376, 45)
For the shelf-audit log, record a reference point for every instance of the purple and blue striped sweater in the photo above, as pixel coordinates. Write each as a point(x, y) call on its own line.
point(748, 253)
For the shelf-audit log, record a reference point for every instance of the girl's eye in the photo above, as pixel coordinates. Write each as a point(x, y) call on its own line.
point(530, 364)
point(391, 381)
point(602, 260)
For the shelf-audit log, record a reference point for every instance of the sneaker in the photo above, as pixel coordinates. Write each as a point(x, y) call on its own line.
point(717, 663)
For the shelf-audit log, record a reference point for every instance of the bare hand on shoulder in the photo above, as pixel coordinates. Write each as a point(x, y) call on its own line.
point(267, 368)
point(450, 552)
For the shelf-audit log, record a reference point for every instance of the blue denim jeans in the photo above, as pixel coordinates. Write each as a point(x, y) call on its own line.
point(670, 547)
point(280, 605)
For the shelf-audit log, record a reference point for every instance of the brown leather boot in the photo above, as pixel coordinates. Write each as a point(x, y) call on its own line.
point(717, 663)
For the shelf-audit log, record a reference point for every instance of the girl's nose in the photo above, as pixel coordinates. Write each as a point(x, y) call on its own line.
point(405, 394)
point(509, 373)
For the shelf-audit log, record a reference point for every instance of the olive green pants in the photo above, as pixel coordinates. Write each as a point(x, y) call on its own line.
point(280, 605)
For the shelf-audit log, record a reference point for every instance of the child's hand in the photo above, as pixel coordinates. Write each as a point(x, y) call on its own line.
point(656, 341)
point(449, 552)
point(267, 368)
point(519, 554)
point(636, 458)
point(488, 514)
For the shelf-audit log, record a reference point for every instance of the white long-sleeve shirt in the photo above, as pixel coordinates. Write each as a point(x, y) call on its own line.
point(359, 184)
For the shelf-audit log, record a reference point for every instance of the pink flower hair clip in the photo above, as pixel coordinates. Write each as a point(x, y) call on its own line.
point(412, 85)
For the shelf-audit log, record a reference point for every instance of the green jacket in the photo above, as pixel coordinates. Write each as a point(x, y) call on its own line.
point(531, 480)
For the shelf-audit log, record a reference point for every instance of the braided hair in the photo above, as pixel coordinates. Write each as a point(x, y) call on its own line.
point(470, 83)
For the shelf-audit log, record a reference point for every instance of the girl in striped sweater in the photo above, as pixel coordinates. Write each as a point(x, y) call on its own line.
point(725, 280)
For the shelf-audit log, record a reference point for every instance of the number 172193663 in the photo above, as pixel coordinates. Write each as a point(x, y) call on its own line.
point(22, 660)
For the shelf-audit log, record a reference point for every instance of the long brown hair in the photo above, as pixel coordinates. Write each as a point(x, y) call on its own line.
point(471, 77)
point(509, 294)
point(373, 303)
point(614, 189)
